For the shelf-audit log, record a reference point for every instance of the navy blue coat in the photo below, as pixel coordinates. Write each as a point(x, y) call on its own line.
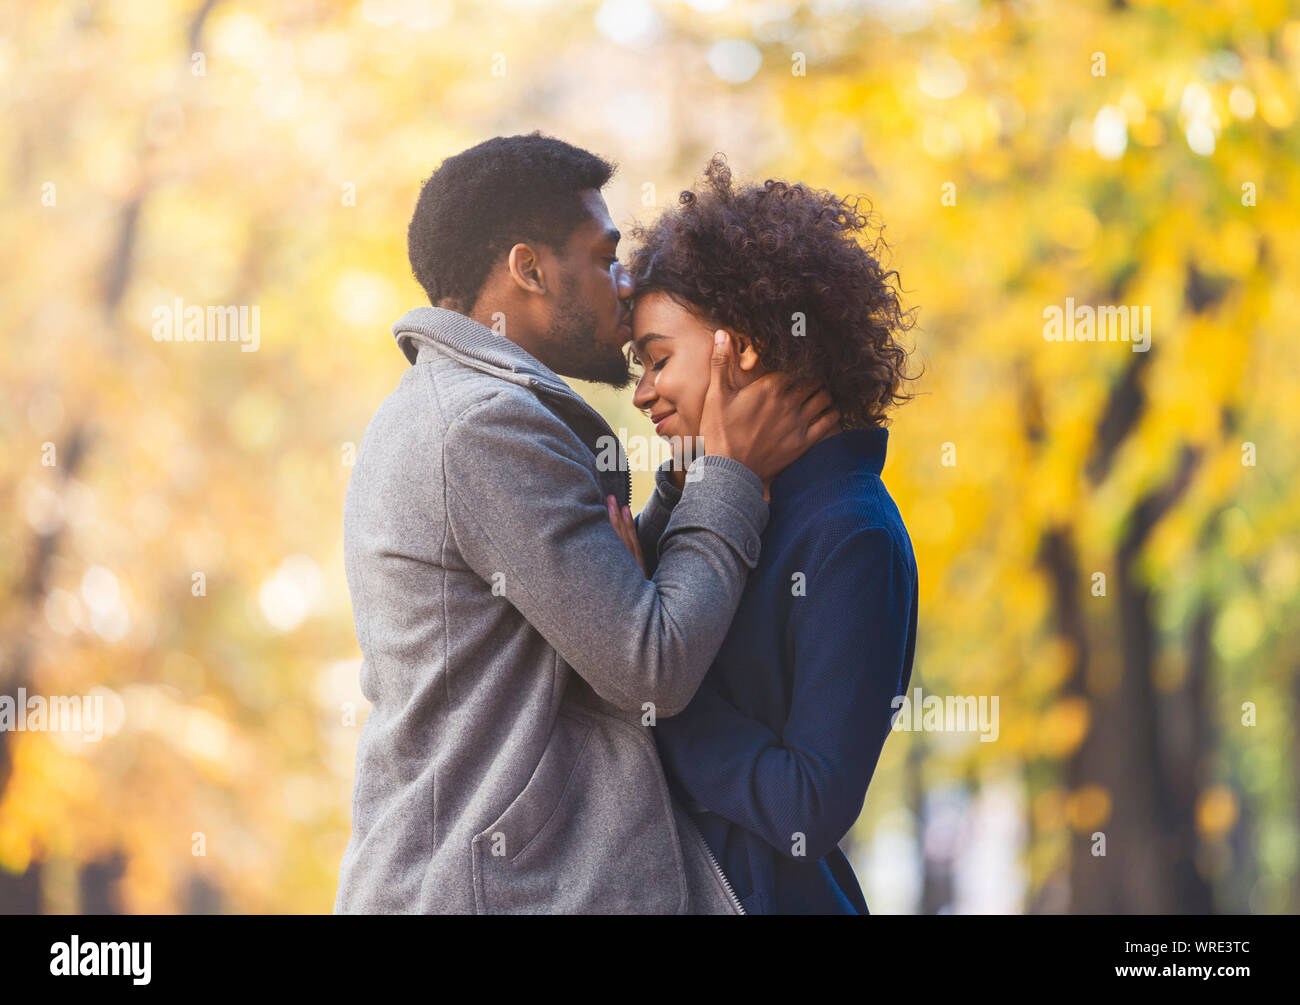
point(776, 750)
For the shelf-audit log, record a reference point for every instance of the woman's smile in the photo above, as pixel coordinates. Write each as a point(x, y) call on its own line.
point(673, 346)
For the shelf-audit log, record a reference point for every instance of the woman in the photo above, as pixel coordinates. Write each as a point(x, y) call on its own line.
point(775, 752)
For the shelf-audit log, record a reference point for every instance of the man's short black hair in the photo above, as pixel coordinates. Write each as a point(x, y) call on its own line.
point(479, 203)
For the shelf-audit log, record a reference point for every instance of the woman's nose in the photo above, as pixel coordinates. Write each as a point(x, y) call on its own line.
point(644, 395)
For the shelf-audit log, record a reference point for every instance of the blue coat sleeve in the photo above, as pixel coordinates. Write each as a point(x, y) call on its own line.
point(851, 636)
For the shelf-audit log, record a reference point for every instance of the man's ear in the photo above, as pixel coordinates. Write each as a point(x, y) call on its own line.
point(525, 267)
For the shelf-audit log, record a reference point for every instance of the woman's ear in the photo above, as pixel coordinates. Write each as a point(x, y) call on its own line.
point(746, 353)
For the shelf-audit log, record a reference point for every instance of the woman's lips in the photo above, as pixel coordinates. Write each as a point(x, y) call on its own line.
point(660, 424)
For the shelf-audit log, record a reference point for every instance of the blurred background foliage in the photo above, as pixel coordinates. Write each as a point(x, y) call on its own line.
point(1019, 153)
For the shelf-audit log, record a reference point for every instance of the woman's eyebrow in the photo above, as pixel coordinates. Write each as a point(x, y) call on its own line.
point(646, 339)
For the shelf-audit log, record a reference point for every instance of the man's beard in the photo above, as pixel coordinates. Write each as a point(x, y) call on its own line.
point(573, 350)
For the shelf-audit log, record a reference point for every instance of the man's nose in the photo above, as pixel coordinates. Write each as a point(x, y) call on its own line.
point(623, 279)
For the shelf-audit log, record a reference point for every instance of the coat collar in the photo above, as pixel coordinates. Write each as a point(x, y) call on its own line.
point(427, 329)
point(843, 453)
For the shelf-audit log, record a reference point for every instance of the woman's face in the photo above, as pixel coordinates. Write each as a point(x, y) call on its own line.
point(674, 348)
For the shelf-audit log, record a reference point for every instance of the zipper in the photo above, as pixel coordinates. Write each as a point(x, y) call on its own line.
point(538, 385)
point(644, 739)
point(574, 399)
point(726, 883)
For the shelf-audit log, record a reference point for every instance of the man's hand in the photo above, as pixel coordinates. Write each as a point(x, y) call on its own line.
point(765, 425)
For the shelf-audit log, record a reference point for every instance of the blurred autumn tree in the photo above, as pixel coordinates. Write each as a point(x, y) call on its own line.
point(174, 545)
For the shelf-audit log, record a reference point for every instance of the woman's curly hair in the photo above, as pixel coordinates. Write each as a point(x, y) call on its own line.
point(754, 258)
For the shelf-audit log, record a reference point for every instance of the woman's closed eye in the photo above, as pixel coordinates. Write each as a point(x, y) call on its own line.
point(638, 362)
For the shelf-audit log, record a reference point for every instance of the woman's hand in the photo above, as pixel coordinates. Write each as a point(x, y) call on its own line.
point(625, 524)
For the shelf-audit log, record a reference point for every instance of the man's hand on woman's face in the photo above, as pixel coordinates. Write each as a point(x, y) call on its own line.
point(765, 425)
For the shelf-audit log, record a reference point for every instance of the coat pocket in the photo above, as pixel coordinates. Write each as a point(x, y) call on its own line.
point(591, 833)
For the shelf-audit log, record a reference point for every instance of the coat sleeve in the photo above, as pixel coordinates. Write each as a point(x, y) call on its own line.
point(527, 512)
point(851, 634)
point(652, 521)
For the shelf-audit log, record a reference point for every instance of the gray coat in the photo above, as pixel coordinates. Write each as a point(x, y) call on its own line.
point(513, 649)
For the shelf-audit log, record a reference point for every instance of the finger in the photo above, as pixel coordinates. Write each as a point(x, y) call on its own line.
point(720, 376)
point(806, 390)
point(788, 383)
point(818, 403)
point(633, 542)
point(812, 391)
point(798, 391)
point(630, 541)
point(775, 382)
point(825, 424)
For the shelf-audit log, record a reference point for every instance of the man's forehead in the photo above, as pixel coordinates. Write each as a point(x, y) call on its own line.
point(600, 218)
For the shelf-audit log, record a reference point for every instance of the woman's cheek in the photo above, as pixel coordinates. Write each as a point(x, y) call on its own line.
point(698, 393)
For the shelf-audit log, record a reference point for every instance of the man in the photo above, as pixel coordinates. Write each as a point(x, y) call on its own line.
point(514, 652)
